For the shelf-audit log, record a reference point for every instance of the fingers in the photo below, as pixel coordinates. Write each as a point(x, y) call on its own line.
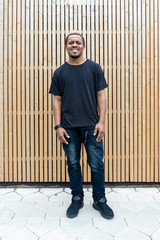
point(62, 137)
point(95, 131)
point(100, 136)
point(66, 134)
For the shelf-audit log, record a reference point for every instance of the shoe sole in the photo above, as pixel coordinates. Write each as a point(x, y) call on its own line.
point(73, 216)
point(107, 217)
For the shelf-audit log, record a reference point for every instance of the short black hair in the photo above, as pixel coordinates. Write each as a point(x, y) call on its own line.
point(66, 39)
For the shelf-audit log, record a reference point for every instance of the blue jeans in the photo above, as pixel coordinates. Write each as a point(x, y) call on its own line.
point(94, 151)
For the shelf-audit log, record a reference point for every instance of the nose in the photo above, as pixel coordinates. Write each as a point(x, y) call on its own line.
point(74, 44)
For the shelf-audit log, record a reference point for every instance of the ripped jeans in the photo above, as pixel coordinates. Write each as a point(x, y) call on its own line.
point(94, 151)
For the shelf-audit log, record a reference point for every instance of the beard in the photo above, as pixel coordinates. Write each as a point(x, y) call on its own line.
point(75, 56)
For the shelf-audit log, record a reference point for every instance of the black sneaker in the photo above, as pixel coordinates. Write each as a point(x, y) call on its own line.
point(77, 203)
point(103, 208)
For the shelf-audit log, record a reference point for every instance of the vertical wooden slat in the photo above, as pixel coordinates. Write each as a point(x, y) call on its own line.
point(6, 118)
point(45, 93)
point(54, 169)
point(148, 87)
point(19, 92)
point(32, 96)
point(97, 31)
point(50, 128)
point(41, 89)
point(28, 90)
point(127, 89)
point(1, 91)
point(159, 83)
point(92, 32)
point(119, 159)
point(115, 96)
point(84, 24)
point(135, 87)
point(105, 73)
point(12, 82)
point(152, 90)
point(36, 95)
point(156, 164)
point(24, 174)
point(131, 172)
point(143, 93)
point(139, 95)
point(122, 95)
point(110, 92)
point(13, 103)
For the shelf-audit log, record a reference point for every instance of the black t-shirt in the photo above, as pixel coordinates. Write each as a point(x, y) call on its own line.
point(78, 85)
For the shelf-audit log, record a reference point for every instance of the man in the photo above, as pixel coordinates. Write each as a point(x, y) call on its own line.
point(78, 88)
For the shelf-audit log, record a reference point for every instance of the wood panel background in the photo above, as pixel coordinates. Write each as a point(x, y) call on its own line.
point(123, 36)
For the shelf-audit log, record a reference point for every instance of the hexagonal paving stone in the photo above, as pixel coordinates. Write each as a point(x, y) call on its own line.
point(63, 196)
point(26, 191)
point(111, 227)
point(108, 190)
point(35, 197)
point(26, 210)
point(94, 234)
point(41, 227)
point(138, 196)
point(6, 190)
point(6, 213)
point(52, 209)
point(157, 196)
point(146, 190)
point(58, 234)
point(8, 227)
point(133, 205)
point(121, 211)
point(11, 196)
point(51, 191)
point(130, 234)
point(156, 235)
point(143, 224)
point(154, 204)
point(125, 191)
point(149, 212)
point(113, 196)
point(76, 226)
point(23, 233)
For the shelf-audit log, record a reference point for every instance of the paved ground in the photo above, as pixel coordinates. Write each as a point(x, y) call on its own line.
point(40, 214)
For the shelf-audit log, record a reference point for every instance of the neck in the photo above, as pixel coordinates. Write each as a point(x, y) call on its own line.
point(76, 61)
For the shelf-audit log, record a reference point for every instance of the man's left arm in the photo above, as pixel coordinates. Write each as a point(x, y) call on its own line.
point(101, 100)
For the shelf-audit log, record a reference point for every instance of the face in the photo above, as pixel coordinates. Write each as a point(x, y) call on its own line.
point(75, 46)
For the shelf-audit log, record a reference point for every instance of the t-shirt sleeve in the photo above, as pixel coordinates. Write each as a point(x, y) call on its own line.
point(101, 81)
point(54, 88)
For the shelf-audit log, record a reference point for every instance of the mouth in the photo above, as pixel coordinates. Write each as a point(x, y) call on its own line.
point(74, 50)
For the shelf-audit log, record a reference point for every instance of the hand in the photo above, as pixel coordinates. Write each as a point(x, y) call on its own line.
point(100, 129)
point(61, 133)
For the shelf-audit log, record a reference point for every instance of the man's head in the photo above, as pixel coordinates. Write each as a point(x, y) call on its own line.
point(74, 44)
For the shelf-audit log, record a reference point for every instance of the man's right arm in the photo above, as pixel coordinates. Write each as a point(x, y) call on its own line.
point(61, 132)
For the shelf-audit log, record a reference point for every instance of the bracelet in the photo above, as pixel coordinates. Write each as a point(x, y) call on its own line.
point(57, 126)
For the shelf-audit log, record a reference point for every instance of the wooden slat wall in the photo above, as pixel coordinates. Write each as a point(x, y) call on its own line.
point(123, 36)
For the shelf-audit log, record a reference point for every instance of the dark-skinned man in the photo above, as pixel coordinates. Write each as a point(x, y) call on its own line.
point(79, 113)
